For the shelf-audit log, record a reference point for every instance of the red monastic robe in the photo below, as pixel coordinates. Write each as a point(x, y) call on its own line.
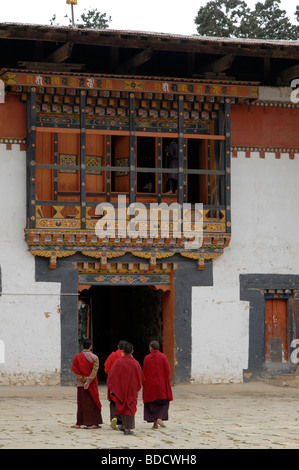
point(124, 381)
point(108, 364)
point(156, 372)
point(111, 360)
point(82, 366)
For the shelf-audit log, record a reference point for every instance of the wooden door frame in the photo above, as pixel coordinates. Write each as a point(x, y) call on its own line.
point(290, 318)
point(168, 322)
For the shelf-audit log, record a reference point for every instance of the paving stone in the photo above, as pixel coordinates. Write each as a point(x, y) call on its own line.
point(228, 416)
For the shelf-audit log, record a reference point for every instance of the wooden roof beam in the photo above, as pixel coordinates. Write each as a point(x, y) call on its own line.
point(267, 68)
point(288, 74)
point(128, 39)
point(219, 65)
point(136, 61)
point(61, 54)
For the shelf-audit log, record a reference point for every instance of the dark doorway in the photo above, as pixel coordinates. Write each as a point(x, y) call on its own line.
point(134, 314)
point(146, 158)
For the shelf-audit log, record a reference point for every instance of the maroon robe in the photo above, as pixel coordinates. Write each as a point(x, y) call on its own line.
point(156, 371)
point(82, 366)
point(108, 364)
point(124, 381)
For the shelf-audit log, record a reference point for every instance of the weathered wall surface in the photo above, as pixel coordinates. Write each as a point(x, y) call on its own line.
point(29, 310)
point(264, 240)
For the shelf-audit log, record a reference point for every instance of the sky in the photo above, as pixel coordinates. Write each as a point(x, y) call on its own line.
point(159, 16)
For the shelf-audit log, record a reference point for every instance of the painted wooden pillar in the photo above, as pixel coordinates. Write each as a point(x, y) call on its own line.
point(227, 133)
point(108, 164)
point(83, 159)
point(182, 151)
point(221, 155)
point(55, 182)
point(159, 166)
point(168, 325)
point(132, 152)
point(31, 157)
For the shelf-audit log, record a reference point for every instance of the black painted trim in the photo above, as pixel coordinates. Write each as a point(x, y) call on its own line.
point(251, 287)
point(68, 277)
point(186, 277)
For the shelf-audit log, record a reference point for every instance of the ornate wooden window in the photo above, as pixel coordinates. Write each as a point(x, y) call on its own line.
point(91, 138)
point(81, 165)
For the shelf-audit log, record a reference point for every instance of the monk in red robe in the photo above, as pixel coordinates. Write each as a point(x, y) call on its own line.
point(85, 366)
point(114, 420)
point(157, 391)
point(124, 381)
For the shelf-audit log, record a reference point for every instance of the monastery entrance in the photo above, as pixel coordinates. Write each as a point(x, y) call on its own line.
point(137, 314)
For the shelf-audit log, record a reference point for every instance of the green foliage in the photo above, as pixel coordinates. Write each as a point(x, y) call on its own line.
point(95, 19)
point(91, 19)
point(221, 18)
point(233, 18)
point(271, 22)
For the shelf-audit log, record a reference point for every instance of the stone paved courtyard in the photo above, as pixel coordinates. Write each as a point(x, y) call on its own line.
point(232, 416)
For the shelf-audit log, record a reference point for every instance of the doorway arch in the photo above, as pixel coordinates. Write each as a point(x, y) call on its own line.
point(137, 314)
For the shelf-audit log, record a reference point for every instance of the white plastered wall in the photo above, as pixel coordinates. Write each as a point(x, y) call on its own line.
point(265, 239)
point(29, 310)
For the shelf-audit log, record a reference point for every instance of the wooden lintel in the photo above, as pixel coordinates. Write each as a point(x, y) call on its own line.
point(51, 66)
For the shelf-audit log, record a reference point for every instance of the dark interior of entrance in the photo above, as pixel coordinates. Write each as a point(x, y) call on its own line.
point(134, 314)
